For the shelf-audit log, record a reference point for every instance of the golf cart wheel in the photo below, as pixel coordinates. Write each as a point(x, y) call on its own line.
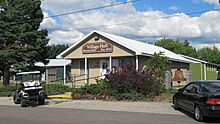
point(23, 102)
point(41, 101)
point(198, 114)
point(15, 99)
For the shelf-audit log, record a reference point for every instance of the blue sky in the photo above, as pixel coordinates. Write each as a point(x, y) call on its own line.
point(200, 29)
point(185, 6)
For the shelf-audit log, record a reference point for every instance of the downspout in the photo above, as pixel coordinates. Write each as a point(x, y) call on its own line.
point(204, 71)
point(64, 72)
point(136, 62)
point(86, 71)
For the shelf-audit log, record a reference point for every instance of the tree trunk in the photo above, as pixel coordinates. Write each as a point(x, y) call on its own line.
point(6, 76)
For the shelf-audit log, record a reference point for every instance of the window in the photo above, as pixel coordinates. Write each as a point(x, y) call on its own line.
point(211, 86)
point(82, 67)
point(115, 63)
point(125, 61)
point(189, 87)
point(196, 89)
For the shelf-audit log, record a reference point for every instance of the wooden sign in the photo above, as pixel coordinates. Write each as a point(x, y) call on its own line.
point(99, 47)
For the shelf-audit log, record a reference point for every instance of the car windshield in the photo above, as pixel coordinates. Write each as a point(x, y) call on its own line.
point(211, 86)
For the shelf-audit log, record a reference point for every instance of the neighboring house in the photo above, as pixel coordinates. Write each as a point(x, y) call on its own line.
point(99, 51)
point(202, 70)
point(56, 69)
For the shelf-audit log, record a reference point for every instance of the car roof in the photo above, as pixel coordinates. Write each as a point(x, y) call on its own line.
point(206, 81)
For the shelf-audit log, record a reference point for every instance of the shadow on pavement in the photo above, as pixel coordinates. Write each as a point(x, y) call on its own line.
point(207, 120)
point(35, 104)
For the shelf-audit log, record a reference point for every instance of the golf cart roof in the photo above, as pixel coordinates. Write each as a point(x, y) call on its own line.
point(32, 72)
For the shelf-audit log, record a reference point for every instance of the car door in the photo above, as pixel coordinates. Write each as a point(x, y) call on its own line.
point(193, 96)
point(184, 96)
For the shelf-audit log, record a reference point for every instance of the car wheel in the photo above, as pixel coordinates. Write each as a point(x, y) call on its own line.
point(23, 102)
point(15, 99)
point(41, 101)
point(175, 104)
point(198, 114)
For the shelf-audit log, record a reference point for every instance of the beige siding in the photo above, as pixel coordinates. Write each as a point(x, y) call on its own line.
point(75, 70)
point(94, 69)
point(117, 50)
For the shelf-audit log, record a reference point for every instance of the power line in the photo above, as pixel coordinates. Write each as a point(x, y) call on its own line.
point(79, 11)
point(101, 7)
point(126, 22)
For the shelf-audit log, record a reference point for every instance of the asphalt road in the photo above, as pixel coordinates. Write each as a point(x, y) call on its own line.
point(40, 115)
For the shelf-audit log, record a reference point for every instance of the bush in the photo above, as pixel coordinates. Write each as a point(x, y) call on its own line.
point(170, 91)
point(99, 89)
point(50, 89)
point(126, 79)
point(7, 90)
point(123, 78)
point(159, 64)
point(54, 89)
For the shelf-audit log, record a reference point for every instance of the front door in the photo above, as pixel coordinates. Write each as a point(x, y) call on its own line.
point(104, 66)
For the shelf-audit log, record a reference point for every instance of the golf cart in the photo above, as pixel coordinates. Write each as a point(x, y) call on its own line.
point(28, 89)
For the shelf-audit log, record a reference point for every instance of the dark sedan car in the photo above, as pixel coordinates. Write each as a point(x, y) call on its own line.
point(202, 98)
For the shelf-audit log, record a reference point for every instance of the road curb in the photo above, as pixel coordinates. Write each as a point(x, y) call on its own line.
point(59, 97)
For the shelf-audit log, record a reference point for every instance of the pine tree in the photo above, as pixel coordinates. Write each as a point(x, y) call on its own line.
point(22, 42)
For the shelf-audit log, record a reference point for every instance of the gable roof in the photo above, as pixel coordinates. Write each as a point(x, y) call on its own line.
point(196, 60)
point(139, 48)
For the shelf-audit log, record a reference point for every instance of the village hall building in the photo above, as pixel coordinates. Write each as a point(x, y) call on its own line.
point(99, 51)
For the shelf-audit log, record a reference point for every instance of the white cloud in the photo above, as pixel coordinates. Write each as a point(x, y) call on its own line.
point(147, 24)
point(174, 8)
point(199, 46)
point(216, 2)
point(64, 37)
point(49, 23)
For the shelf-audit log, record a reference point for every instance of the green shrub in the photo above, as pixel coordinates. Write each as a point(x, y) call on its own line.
point(7, 90)
point(170, 91)
point(159, 64)
point(100, 88)
point(4, 94)
point(54, 89)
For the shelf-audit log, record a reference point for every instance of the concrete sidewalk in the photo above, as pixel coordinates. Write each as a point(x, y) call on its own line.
point(144, 107)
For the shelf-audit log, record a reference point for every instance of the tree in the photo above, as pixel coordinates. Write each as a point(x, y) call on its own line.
point(22, 43)
point(210, 54)
point(177, 46)
point(159, 63)
point(55, 50)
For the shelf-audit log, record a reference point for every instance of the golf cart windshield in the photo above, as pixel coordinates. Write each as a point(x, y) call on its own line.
point(28, 76)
